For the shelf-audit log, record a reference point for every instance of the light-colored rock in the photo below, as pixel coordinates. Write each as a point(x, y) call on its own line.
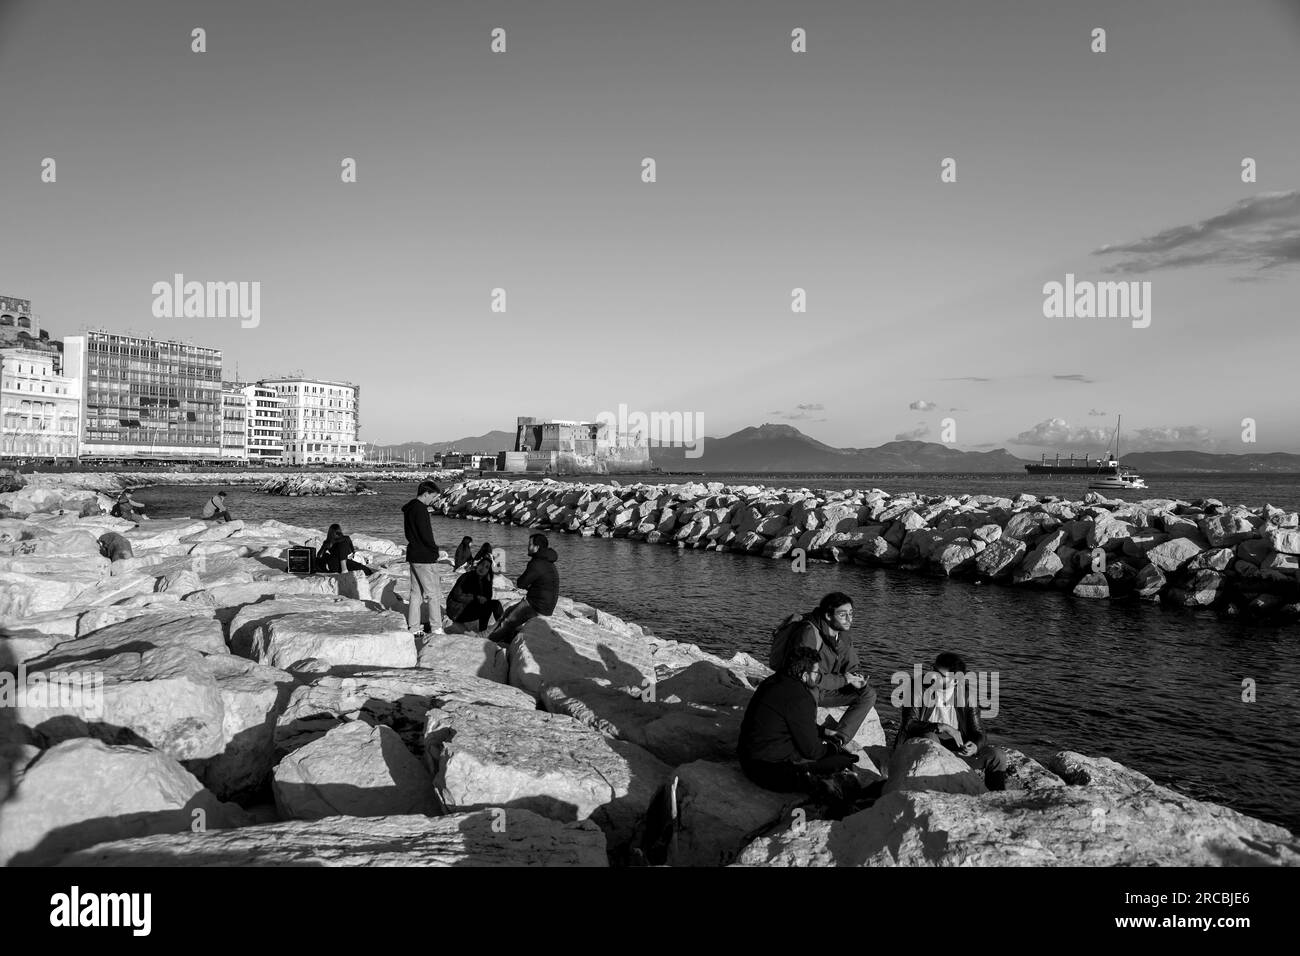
point(554, 650)
point(922, 764)
point(548, 763)
point(468, 653)
point(161, 696)
point(496, 837)
point(357, 770)
point(399, 699)
point(252, 698)
point(1062, 826)
point(1171, 555)
point(1092, 586)
point(249, 623)
point(357, 638)
point(83, 792)
point(139, 633)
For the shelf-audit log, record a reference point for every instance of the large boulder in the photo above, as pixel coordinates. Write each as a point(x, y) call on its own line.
point(1063, 826)
point(922, 764)
point(83, 792)
point(338, 638)
point(470, 654)
point(1001, 556)
point(399, 699)
point(161, 697)
point(719, 811)
point(496, 837)
point(673, 730)
point(1173, 554)
point(355, 769)
point(553, 650)
point(252, 698)
point(248, 625)
point(141, 632)
point(548, 763)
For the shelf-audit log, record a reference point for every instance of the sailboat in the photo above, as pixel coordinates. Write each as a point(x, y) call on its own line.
point(1113, 476)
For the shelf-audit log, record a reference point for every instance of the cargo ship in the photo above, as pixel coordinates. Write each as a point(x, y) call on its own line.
point(1103, 474)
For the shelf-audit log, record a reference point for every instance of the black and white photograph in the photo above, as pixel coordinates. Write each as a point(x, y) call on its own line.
point(652, 435)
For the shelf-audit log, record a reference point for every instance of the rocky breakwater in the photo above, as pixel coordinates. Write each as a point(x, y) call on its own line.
point(42, 491)
point(1200, 553)
point(244, 715)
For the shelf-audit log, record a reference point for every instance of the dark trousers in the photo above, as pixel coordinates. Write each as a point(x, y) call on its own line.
point(859, 704)
point(514, 619)
point(220, 516)
point(482, 613)
point(792, 776)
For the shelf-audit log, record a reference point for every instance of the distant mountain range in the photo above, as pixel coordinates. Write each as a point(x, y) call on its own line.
point(783, 448)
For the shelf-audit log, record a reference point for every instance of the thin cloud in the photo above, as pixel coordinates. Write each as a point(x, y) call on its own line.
point(919, 432)
point(811, 407)
point(921, 405)
point(1095, 413)
point(1074, 378)
point(966, 378)
point(1262, 231)
point(802, 413)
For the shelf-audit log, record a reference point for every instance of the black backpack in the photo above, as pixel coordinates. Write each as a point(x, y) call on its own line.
point(785, 639)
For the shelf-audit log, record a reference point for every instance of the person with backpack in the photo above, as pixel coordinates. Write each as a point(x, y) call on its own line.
point(842, 684)
point(781, 747)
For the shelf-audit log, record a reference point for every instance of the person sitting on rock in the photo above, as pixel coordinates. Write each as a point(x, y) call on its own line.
point(464, 553)
point(335, 550)
point(540, 581)
point(826, 631)
point(215, 509)
point(127, 507)
point(953, 723)
point(781, 747)
point(471, 597)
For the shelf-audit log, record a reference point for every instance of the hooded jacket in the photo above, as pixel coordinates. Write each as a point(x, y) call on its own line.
point(421, 547)
point(541, 580)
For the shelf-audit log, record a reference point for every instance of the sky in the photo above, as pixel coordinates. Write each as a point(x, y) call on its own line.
point(775, 170)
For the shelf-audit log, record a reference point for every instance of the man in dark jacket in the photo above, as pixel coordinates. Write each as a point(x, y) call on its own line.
point(780, 745)
point(953, 721)
point(422, 556)
point(540, 581)
point(471, 599)
point(826, 631)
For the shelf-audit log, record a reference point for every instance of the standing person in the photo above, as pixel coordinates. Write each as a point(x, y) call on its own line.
point(540, 581)
point(471, 599)
point(464, 552)
point(215, 509)
point(826, 631)
point(422, 556)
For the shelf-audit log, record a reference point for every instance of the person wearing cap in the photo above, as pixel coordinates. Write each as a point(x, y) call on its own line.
point(215, 509)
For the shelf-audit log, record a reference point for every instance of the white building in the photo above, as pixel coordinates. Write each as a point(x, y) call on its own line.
point(40, 410)
point(321, 421)
point(265, 423)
